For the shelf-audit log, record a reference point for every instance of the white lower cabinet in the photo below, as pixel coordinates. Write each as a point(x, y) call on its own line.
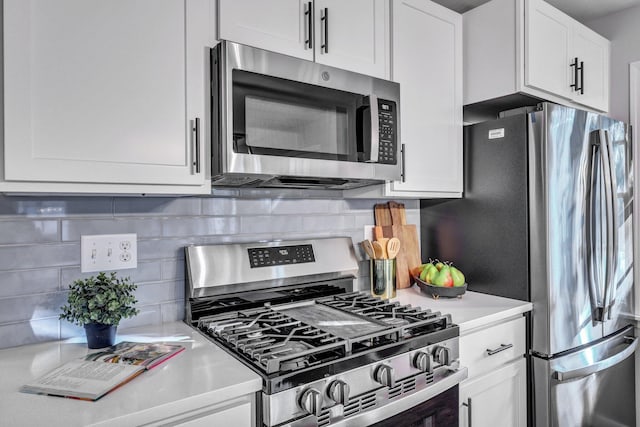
point(495, 393)
point(497, 399)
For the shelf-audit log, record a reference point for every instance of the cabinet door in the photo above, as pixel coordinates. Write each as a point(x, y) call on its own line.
point(105, 92)
point(592, 51)
point(498, 399)
point(281, 26)
point(427, 62)
point(353, 35)
point(547, 41)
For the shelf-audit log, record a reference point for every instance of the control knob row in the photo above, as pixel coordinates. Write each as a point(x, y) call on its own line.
point(422, 360)
point(310, 399)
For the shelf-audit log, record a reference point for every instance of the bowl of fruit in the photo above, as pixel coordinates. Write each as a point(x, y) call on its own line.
point(439, 279)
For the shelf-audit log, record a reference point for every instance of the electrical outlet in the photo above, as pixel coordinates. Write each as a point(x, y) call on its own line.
point(108, 252)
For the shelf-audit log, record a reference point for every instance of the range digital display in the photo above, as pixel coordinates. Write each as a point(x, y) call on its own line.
point(280, 255)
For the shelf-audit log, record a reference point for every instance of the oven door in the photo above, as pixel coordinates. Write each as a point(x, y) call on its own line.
point(434, 406)
point(281, 116)
point(439, 411)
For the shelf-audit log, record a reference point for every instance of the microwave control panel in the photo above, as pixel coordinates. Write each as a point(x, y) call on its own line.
point(387, 134)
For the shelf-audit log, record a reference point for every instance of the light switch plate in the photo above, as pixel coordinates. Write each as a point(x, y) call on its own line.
point(103, 252)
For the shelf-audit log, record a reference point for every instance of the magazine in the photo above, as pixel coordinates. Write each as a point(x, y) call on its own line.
point(96, 374)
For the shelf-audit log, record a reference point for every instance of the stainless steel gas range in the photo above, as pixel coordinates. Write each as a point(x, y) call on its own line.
point(328, 356)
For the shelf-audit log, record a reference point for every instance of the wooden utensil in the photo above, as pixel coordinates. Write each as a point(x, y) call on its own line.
point(383, 242)
point(368, 248)
point(378, 250)
point(377, 232)
point(393, 247)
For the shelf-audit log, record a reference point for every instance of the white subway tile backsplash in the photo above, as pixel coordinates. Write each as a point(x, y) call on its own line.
point(54, 206)
point(226, 206)
point(146, 206)
point(40, 247)
point(38, 256)
point(143, 227)
point(31, 307)
point(14, 334)
point(278, 225)
point(18, 232)
point(204, 226)
point(146, 272)
point(28, 282)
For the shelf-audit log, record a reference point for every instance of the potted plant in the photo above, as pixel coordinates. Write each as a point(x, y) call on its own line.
point(98, 304)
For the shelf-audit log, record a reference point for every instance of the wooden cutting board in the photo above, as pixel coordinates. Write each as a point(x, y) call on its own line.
point(409, 254)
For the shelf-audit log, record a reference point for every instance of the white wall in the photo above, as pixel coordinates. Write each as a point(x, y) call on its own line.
point(623, 29)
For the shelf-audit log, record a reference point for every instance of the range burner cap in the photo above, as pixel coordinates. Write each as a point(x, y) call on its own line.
point(292, 348)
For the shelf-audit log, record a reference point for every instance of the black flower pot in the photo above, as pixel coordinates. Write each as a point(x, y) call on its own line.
point(100, 335)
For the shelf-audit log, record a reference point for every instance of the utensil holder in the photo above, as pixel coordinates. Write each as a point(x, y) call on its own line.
point(382, 273)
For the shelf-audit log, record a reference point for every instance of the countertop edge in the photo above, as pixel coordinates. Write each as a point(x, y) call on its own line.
point(470, 326)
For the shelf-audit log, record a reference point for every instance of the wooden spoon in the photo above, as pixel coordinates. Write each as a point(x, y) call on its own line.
point(393, 247)
point(383, 242)
point(379, 250)
point(368, 248)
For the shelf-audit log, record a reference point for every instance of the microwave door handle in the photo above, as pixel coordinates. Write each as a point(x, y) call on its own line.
point(610, 188)
point(374, 147)
point(592, 278)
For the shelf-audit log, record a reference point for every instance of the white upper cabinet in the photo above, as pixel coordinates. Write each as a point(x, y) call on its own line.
point(547, 49)
point(353, 35)
point(427, 62)
point(564, 57)
point(591, 52)
point(283, 26)
point(529, 47)
point(105, 96)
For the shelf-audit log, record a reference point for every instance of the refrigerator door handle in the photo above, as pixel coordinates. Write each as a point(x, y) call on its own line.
point(601, 303)
point(610, 188)
point(595, 297)
point(597, 366)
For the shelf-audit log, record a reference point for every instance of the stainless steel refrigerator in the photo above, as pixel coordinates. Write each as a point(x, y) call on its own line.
point(547, 217)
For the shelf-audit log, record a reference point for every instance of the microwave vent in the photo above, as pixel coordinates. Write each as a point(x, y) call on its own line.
point(236, 181)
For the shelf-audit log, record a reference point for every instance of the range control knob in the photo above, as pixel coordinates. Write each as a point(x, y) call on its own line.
point(338, 391)
point(310, 401)
point(384, 375)
point(422, 361)
point(442, 355)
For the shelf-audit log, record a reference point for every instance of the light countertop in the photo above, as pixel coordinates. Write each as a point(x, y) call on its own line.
point(202, 375)
point(472, 311)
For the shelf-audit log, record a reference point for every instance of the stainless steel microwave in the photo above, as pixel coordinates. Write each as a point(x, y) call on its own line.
point(280, 121)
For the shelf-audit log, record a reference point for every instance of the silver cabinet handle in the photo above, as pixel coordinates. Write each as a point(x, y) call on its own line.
point(597, 366)
point(403, 171)
point(309, 26)
point(196, 130)
point(468, 405)
point(502, 347)
point(324, 17)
